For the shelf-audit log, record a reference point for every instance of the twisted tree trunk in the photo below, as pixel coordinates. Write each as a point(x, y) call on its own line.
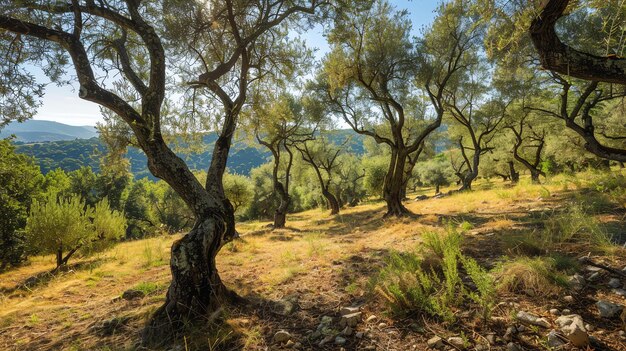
point(393, 187)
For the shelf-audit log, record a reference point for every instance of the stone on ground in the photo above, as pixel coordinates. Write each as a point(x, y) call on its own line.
point(573, 327)
point(436, 343)
point(528, 318)
point(608, 309)
point(281, 336)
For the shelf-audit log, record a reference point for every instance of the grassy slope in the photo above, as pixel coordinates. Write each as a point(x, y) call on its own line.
point(325, 262)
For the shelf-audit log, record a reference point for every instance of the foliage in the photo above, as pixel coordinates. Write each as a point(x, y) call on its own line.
point(408, 287)
point(435, 172)
point(239, 191)
point(375, 170)
point(20, 181)
point(64, 224)
point(109, 226)
point(139, 209)
point(169, 208)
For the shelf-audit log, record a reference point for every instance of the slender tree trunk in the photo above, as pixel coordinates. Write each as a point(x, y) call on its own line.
point(534, 176)
point(472, 172)
point(467, 181)
point(437, 189)
point(59, 257)
point(514, 173)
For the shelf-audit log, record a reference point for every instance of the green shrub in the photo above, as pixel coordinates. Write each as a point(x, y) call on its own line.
point(375, 172)
point(148, 287)
point(409, 288)
point(64, 225)
point(239, 190)
point(485, 294)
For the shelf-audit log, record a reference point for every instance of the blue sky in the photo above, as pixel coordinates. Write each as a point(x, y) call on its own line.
point(62, 104)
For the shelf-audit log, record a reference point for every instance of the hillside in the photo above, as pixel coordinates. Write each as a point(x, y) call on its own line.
point(70, 155)
point(34, 131)
point(297, 280)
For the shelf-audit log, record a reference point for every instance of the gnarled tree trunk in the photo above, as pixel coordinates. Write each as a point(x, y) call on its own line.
point(394, 184)
point(333, 204)
point(196, 287)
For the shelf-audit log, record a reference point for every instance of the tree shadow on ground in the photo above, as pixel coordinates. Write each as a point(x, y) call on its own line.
point(41, 279)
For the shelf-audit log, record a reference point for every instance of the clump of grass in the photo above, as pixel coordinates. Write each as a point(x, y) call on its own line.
point(232, 246)
point(573, 225)
point(607, 182)
point(33, 319)
point(465, 226)
point(153, 255)
point(148, 287)
point(409, 288)
point(315, 244)
point(532, 276)
point(594, 202)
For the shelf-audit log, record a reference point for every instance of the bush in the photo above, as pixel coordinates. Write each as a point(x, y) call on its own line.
point(64, 225)
point(375, 172)
point(408, 287)
point(436, 172)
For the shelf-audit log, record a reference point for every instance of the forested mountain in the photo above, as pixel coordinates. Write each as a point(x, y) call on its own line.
point(32, 131)
point(70, 155)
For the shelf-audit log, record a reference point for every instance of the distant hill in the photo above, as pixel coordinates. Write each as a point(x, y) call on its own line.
point(70, 155)
point(35, 131)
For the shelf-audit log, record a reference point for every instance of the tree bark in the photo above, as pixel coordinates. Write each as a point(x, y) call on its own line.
point(59, 257)
point(561, 58)
point(534, 176)
point(333, 204)
point(394, 181)
point(514, 173)
point(472, 172)
point(196, 287)
point(280, 215)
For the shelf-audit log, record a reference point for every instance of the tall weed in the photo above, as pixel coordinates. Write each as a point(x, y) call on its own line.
point(408, 287)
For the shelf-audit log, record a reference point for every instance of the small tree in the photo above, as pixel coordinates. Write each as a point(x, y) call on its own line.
point(278, 126)
point(64, 225)
point(436, 172)
point(239, 191)
point(321, 155)
point(375, 169)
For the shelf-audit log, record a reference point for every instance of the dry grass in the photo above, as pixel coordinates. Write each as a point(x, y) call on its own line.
point(531, 276)
point(325, 261)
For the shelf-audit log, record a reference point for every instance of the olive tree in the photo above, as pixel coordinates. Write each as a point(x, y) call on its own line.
point(390, 87)
point(322, 155)
point(552, 33)
point(278, 126)
point(63, 225)
point(138, 40)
